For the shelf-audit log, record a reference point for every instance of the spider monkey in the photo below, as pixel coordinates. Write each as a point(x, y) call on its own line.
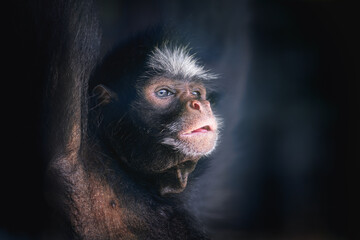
point(126, 131)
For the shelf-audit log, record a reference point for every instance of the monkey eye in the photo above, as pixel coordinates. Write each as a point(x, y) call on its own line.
point(163, 93)
point(196, 93)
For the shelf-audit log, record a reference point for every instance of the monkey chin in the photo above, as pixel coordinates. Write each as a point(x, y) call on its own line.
point(194, 145)
point(196, 140)
point(197, 144)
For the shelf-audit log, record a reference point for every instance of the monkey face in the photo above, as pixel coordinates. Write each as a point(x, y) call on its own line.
point(189, 125)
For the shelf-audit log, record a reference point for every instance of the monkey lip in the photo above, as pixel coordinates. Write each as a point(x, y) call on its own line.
point(203, 129)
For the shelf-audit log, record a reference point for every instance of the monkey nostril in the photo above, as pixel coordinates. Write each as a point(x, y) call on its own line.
point(195, 105)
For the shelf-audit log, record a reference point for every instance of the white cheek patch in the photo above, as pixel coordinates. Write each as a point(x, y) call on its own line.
point(174, 127)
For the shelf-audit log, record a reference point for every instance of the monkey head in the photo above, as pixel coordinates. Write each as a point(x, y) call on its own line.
point(160, 123)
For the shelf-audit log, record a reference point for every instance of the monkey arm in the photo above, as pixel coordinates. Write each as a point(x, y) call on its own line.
point(71, 47)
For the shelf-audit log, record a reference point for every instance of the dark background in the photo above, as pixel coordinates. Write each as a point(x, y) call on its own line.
point(287, 164)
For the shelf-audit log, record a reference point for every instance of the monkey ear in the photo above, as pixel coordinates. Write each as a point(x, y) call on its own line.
point(103, 94)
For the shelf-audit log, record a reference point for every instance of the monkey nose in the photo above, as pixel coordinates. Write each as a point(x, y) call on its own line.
point(194, 104)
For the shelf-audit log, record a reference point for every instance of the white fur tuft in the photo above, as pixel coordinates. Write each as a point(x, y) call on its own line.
point(177, 61)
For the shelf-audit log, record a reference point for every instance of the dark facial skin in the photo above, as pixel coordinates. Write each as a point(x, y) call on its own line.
point(172, 127)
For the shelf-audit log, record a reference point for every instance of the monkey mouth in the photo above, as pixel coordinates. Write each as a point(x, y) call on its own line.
point(200, 130)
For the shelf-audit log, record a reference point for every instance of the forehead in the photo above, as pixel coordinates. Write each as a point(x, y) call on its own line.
point(176, 83)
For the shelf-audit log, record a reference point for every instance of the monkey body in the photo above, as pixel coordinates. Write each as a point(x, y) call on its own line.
point(97, 209)
point(126, 132)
